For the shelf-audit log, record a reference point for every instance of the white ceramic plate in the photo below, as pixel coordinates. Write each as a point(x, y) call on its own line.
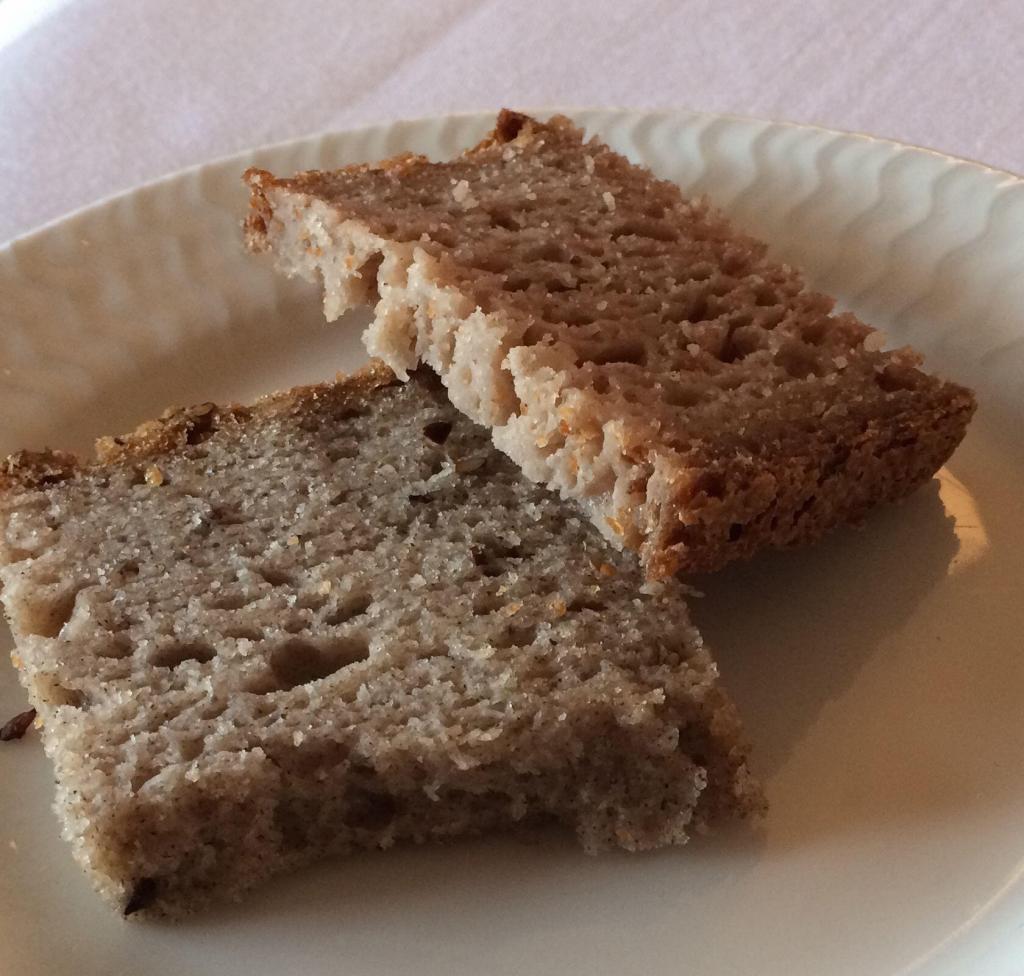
point(880, 673)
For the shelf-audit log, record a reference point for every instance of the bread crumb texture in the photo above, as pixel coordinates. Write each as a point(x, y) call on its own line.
point(341, 619)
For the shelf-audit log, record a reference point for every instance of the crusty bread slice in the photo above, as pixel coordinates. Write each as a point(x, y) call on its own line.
point(339, 619)
point(626, 345)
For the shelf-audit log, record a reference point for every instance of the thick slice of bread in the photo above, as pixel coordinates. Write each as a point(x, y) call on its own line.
point(340, 619)
point(626, 345)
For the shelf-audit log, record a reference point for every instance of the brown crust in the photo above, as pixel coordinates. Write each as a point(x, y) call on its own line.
point(511, 126)
point(37, 469)
point(255, 224)
point(887, 462)
point(179, 427)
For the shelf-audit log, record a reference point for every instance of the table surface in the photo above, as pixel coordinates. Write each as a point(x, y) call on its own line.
point(97, 96)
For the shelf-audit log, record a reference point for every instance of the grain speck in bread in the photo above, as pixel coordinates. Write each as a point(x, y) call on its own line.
point(341, 619)
point(627, 346)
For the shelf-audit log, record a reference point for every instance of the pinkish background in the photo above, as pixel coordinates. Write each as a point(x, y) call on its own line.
point(99, 95)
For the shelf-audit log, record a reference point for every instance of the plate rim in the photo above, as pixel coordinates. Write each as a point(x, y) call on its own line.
point(320, 135)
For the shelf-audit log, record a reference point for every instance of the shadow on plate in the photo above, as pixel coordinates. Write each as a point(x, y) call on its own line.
point(878, 673)
point(790, 630)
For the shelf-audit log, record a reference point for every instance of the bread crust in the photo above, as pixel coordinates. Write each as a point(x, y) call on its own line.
point(178, 427)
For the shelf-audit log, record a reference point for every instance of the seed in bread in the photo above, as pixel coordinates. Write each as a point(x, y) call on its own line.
point(626, 345)
point(341, 619)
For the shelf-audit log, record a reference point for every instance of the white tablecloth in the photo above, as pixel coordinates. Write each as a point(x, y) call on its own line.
point(99, 95)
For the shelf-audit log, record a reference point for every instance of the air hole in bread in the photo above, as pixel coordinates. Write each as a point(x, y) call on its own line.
point(730, 352)
point(174, 654)
point(242, 633)
point(275, 577)
point(368, 275)
point(198, 429)
point(116, 646)
point(490, 555)
point(298, 661)
point(190, 748)
point(486, 602)
point(798, 361)
point(548, 251)
point(493, 263)
point(517, 282)
point(310, 600)
point(736, 262)
point(348, 608)
point(699, 310)
point(711, 484)
point(49, 614)
point(48, 689)
point(894, 378)
point(649, 229)
point(748, 339)
point(341, 452)
point(835, 463)
point(804, 508)
point(639, 247)
point(577, 317)
point(212, 709)
point(581, 603)
point(225, 516)
point(815, 333)
point(676, 311)
point(15, 554)
point(517, 635)
point(231, 600)
point(488, 564)
point(534, 333)
point(681, 535)
point(437, 431)
point(503, 219)
point(627, 351)
point(444, 236)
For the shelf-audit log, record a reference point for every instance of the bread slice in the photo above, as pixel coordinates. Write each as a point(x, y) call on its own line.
point(626, 345)
point(338, 619)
